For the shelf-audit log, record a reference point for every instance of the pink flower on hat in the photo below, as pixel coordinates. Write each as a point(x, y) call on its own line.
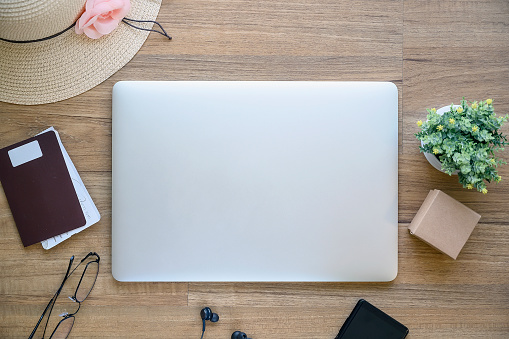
point(101, 17)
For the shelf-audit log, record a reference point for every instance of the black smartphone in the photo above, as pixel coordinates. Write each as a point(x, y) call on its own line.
point(368, 322)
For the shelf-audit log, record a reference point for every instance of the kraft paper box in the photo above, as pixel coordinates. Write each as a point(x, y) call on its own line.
point(444, 223)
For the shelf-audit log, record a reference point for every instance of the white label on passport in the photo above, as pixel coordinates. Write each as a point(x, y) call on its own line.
point(25, 153)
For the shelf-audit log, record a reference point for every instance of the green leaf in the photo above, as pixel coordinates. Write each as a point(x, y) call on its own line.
point(465, 169)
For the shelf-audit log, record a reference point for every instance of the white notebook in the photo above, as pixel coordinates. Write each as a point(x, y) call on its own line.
point(255, 181)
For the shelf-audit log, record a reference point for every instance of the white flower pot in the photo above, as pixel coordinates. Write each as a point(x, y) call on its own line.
point(432, 159)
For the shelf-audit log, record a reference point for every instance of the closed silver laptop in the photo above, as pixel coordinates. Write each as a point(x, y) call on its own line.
point(255, 181)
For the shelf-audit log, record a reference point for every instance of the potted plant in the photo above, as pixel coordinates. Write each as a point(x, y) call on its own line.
point(464, 139)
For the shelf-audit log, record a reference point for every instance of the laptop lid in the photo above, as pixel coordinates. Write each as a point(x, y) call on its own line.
point(254, 181)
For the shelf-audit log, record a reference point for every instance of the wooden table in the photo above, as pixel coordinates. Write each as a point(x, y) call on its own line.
point(436, 52)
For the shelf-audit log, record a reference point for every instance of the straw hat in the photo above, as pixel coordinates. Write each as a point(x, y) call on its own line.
point(65, 65)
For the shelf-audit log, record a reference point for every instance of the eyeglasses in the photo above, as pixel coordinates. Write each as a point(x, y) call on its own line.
point(83, 289)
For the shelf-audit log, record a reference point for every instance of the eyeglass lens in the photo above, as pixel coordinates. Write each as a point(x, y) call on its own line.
point(87, 281)
point(63, 328)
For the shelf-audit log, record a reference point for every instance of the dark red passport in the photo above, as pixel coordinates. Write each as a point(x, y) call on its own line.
point(39, 189)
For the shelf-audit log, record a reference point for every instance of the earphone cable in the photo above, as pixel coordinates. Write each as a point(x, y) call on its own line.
point(203, 329)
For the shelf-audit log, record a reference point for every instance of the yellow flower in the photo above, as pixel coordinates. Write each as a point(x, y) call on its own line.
point(435, 151)
point(492, 160)
point(459, 109)
point(475, 129)
point(489, 101)
point(498, 178)
point(440, 127)
point(484, 191)
point(452, 121)
point(475, 105)
point(470, 186)
point(433, 110)
point(419, 123)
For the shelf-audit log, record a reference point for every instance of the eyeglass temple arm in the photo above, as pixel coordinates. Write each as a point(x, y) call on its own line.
point(81, 262)
point(90, 254)
point(52, 301)
point(42, 316)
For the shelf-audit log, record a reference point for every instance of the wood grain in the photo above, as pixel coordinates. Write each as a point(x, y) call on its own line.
point(435, 52)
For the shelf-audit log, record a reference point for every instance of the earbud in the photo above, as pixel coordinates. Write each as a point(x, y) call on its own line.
point(207, 314)
point(239, 335)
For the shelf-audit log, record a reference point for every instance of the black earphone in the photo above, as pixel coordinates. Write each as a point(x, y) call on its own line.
point(207, 314)
point(239, 335)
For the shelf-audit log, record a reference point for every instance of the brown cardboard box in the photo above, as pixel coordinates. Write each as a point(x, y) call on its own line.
point(444, 223)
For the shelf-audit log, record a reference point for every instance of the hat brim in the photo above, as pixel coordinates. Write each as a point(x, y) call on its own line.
point(69, 64)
